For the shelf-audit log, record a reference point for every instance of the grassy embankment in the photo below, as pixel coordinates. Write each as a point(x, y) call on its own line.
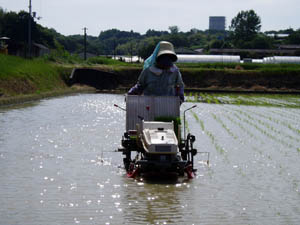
point(242, 77)
point(229, 77)
point(22, 79)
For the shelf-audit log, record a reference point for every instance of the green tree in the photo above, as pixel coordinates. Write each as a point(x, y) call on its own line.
point(294, 38)
point(147, 46)
point(245, 26)
point(262, 42)
point(15, 26)
point(110, 39)
point(2, 13)
point(174, 29)
point(152, 33)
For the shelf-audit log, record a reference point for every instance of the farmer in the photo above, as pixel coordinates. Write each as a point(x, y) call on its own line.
point(160, 77)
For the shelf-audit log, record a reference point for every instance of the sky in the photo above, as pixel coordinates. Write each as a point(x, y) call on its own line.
point(69, 17)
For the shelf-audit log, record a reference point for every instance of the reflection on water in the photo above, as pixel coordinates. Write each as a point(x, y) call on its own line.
point(58, 166)
point(154, 202)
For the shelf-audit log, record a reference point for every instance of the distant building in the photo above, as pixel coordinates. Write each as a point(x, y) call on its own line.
point(217, 23)
point(19, 49)
point(39, 50)
point(278, 36)
point(289, 47)
point(3, 45)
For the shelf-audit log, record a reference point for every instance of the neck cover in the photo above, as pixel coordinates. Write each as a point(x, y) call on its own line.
point(150, 61)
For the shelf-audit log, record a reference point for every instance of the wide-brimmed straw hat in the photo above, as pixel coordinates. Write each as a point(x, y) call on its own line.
point(167, 48)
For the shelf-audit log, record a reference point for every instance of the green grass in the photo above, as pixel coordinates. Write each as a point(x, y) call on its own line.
point(63, 57)
point(23, 76)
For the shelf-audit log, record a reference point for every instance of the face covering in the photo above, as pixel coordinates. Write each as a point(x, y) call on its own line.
point(164, 61)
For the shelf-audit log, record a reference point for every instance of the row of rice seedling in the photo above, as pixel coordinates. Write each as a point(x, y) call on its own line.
point(210, 134)
point(187, 126)
point(293, 100)
point(202, 97)
point(257, 143)
point(264, 146)
point(229, 131)
point(280, 122)
point(245, 99)
point(279, 102)
point(277, 132)
point(285, 118)
point(237, 120)
point(271, 129)
point(243, 153)
point(237, 153)
point(291, 114)
point(249, 154)
point(250, 149)
point(282, 157)
point(225, 127)
point(283, 113)
point(243, 128)
point(199, 121)
point(265, 132)
point(269, 126)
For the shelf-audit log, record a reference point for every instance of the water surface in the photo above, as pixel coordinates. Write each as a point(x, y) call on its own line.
point(58, 166)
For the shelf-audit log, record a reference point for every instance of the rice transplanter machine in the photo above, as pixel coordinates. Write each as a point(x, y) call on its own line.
point(158, 146)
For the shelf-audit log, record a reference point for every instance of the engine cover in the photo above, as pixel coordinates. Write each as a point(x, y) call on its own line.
point(159, 138)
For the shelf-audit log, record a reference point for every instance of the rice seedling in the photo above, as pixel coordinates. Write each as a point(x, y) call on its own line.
point(211, 136)
point(186, 125)
point(265, 132)
point(276, 100)
point(269, 126)
point(199, 121)
point(196, 97)
point(224, 126)
point(240, 126)
point(246, 130)
point(189, 97)
point(278, 122)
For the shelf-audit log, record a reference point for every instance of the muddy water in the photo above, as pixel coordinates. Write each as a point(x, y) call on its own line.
point(58, 167)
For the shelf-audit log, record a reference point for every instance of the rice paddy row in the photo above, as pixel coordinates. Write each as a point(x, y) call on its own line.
point(276, 100)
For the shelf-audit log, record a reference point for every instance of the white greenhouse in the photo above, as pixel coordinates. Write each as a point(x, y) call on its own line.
point(282, 59)
point(208, 59)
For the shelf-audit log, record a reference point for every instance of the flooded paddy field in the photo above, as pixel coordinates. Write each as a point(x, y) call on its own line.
point(58, 164)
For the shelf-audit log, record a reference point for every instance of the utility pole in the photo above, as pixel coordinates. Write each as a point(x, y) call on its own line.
point(84, 42)
point(29, 30)
point(114, 49)
point(131, 51)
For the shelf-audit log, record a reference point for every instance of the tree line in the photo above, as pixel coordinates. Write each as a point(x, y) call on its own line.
point(244, 33)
